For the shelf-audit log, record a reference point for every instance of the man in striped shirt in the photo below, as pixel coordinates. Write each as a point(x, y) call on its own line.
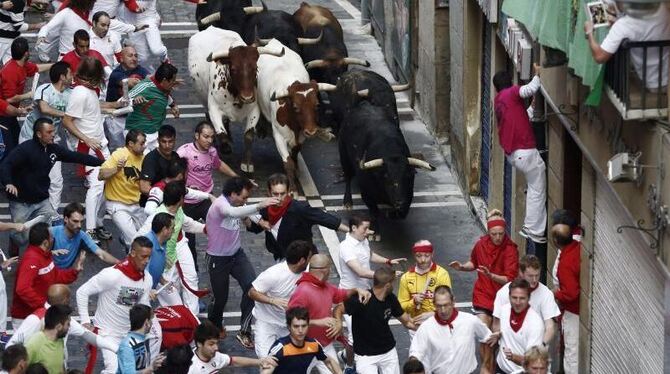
point(12, 24)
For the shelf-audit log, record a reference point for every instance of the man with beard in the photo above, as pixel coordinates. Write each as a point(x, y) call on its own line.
point(118, 289)
point(47, 347)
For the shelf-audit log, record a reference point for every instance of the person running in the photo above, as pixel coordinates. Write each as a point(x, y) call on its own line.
point(175, 172)
point(295, 352)
point(107, 43)
point(162, 227)
point(375, 346)
point(271, 291)
point(225, 256)
point(118, 289)
point(12, 24)
point(157, 162)
point(62, 26)
point(496, 259)
point(134, 354)
point(47, 347)
point(207, 358)
point(82, 48)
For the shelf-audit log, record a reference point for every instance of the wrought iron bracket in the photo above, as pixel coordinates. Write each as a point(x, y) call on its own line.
point(653, 232)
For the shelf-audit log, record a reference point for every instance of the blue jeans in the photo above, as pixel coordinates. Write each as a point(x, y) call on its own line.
point(220, 269)
point(22, 212)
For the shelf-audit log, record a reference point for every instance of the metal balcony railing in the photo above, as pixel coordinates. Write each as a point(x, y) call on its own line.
point(633, 84)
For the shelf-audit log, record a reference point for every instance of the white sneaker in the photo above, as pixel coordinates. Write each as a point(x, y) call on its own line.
point(529, 235)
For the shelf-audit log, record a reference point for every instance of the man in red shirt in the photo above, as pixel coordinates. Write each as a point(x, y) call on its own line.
point(36, 273)
point(12, 86)
point(518, 142)
point(318, 296)
point(82, 43)
point(566, 284)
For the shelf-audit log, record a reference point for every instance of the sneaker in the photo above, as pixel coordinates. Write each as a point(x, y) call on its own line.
point(94, 235)
point(103, 234)
point(529, 235)
point(245, 340)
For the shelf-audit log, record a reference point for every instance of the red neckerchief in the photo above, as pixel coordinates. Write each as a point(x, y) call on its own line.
point(309, 278)
point(276, 212)
point(448, 322)
point(127, 268)
point(153, 79)
point(82, 14)
point(516, 319)
point(78, 82)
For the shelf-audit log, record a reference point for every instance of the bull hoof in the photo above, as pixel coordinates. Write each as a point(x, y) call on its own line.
point(247, 168)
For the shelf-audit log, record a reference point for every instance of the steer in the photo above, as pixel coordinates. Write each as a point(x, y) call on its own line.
point(288, 100)
point(358, 85)
point(326, 60)
point(373, 149)
point(225, 14)
point(224, 68)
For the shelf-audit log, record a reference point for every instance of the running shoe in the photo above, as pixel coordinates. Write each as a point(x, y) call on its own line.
point(103, 234)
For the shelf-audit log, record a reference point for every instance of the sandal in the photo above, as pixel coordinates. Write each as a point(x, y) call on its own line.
point(245, 339)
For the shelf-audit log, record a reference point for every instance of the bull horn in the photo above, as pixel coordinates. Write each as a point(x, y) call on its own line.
point(377, 162)
point(262, 42)
point(363, 93)
point(268, 51)
point(315, 64)
point(211, 18)
point(326, 87)
point(356, 61)
point(249, 10)
point(217, 55)
point(281, 95)
point(400, 87)
point(420, 163)
point(310, 41)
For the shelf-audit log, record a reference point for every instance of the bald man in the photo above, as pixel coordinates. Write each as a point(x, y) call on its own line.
point(319, 296)
point(57, 294)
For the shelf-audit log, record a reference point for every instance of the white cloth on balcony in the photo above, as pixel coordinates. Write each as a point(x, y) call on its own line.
point(656, 27)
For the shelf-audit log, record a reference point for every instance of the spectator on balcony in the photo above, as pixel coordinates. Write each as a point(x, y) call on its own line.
point(652, 28)
point(518, 142)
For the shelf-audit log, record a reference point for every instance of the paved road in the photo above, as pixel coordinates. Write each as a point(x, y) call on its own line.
point(439, 212)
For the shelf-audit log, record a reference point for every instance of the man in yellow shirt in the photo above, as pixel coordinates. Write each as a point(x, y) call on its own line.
point(121, 173)
point(416, 288)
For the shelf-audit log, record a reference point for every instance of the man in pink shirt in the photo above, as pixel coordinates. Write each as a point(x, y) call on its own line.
point(318, 296)
point(202, 160)
point(518, 142)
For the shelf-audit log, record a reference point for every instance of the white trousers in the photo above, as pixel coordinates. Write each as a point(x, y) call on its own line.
point(95, 198)
point(150, 48)
point(265, 334)
point(3, 305)
point(329, 350)
point(56, 185)
point(529, 162)
point(386, 363)
point(128, 218)
point(172, 297)
point(570, 327)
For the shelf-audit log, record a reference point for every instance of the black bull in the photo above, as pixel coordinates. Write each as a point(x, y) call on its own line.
point(232, 14)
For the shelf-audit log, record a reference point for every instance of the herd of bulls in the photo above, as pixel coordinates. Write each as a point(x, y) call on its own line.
point(249, 62)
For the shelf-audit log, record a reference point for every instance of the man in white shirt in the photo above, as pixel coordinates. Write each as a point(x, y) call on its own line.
point(106, 42)
point(118, 289)
point(84, 122)
point(541, 298)
point(271, 291)
point(355, 259)
point(446, 342)
point(654, 27)
point(520, 328)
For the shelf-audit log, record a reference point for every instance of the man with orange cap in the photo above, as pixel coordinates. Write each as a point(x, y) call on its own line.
point(417, 285)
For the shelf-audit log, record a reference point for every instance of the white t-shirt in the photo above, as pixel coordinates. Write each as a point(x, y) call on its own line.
point(444, 350)
point(352, 249)
point(106, 46)
point(541, 300)
point(84, 107)
point(63, 25)
point(116, 295)
point(529, 335)
point(56, 100)
point(277, 281)
point(656, 27)
point(219, 361)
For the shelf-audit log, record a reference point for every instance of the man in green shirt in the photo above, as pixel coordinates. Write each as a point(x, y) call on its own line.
point(47, 347)
point(151, 97)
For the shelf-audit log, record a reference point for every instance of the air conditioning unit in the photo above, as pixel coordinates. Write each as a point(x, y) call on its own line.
point(623, 167)
point(510, 28)
point(523, 62)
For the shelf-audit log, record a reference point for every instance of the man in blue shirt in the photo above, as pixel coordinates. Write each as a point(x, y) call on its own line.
point(161, 230)
point(69, 239)
point(134, 354)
